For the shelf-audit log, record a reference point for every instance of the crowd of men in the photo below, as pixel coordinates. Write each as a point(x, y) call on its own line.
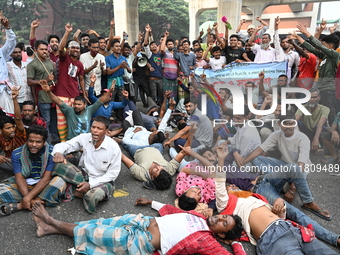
point(69, 107)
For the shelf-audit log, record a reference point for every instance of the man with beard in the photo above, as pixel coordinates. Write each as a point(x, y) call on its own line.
point(12, 133)
point(170, 66)
point(32, 181)
point(265, 53)
point(17, 75)
point(84, 41)
point(79, 116)
point(28, 115)
point(93, 63)
point(42, 68)
point(99, 164)
point(313, 125)
point(292, 56)
point(53, 41)
point(71, 70)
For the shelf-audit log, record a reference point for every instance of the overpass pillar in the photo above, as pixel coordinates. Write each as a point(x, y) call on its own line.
point(127, 18)
point(232, 10)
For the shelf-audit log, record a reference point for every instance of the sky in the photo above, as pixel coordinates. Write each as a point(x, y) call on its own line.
point(330, 10)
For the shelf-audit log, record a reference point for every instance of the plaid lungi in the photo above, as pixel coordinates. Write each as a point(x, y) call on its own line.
point(181, 93)
point(72, 174)
point(9, 191)
point(119, 235)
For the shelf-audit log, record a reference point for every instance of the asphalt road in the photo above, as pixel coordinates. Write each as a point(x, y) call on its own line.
point(18, 231)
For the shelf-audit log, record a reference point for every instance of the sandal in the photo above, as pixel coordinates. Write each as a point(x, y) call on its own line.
point(8, 208)
point(318, 212)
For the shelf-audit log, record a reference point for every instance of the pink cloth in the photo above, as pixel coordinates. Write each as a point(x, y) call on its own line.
point(185, 181)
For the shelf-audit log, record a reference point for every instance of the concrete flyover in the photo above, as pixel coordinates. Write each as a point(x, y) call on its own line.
point(127, 17)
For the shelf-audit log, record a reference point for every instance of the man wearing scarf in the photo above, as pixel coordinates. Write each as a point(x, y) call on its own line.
point(32, 181)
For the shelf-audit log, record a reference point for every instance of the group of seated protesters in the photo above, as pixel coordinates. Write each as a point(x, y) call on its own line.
point(225, 183)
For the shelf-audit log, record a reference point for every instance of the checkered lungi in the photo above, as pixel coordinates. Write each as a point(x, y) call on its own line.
point(73, 175)
point(51, 194)
point(126, 234)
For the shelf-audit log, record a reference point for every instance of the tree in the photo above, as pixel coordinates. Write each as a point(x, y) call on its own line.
point(20, 14)
point(83, 14)
point(209, 15)
point(171, 15)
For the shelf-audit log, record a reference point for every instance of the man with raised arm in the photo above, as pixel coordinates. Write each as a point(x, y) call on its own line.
point(79, 116)
point(13, 133)
point(5, 52)
point(71, 70)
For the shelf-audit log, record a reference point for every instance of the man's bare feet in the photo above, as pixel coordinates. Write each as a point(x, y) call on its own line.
point(43, 228)
point(39, 210)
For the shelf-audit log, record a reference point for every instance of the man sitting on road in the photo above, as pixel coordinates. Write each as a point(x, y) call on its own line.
point(32, 181)
point(79, 116)
point(99, 164)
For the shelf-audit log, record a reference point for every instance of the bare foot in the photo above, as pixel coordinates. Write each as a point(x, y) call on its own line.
point(39, 210)
point(43, 228)
point(37, 199)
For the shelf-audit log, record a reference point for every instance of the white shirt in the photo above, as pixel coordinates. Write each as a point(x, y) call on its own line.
point(246, 139)
point(102, 164)
point(270, 54)
point(18, 77)
point(216, 64)
point(87, 60)
point(140, 138)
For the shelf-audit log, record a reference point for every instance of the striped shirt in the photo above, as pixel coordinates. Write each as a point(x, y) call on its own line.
point(170, 66)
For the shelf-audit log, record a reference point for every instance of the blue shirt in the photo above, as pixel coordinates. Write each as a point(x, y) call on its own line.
point(36, 164)
point(185, 60)
point(105, 110)
point(112, 61)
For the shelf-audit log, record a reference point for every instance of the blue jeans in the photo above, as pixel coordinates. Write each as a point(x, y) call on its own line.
point(46, 114)
point(283, 238)
point(269, 191)
point(133, 148)
point(282, 174)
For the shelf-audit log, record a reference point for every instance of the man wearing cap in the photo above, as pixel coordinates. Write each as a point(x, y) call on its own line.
point(70, 71)
point(251, 29)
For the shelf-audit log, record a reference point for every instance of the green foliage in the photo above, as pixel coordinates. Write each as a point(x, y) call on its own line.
point(210, 15)
point(20, 14)
point(171, 15)
point(83, 14)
